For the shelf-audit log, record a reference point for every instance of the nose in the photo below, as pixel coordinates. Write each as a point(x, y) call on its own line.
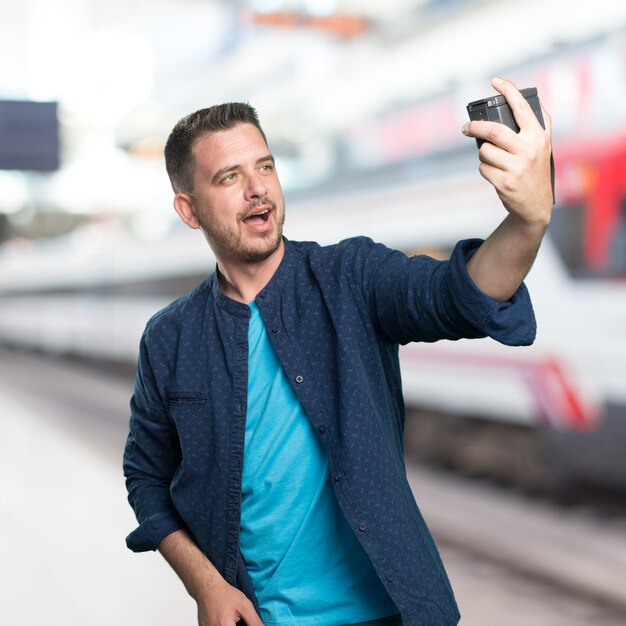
point(255, 187)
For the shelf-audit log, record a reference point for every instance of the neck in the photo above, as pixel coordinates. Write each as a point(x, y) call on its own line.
point(243, 281)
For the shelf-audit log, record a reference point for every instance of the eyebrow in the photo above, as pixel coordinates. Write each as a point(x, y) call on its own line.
point(232, 168)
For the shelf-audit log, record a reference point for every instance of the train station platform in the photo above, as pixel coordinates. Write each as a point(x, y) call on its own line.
point(64, 517)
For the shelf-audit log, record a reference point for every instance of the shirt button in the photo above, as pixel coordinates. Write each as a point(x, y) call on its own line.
point(263, 294)
point(337, 477)
point(299, 378)
point(322, 428)
point(239, 407)
point(389, 577)
point(274, 329)
point(242, 352)
point(362, 527)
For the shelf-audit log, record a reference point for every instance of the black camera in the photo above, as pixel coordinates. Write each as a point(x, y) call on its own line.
point(496, 109)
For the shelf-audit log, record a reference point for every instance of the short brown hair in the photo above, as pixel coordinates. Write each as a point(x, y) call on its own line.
point(179, 159)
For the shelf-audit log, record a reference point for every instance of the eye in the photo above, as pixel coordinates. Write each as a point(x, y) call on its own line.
point(229, 178)
point(267, 167)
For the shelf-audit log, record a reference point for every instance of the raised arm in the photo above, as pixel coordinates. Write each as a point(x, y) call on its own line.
point(518, 166)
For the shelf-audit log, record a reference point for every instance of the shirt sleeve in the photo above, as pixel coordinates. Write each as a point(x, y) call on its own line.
point(422, 299)
point(151, 457)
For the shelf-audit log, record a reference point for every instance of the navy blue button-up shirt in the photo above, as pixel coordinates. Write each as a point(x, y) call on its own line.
point(336, 316)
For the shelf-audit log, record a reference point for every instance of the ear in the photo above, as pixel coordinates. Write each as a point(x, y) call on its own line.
point(184, 207)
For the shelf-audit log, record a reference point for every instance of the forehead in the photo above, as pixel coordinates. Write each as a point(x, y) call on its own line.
point(226, 148)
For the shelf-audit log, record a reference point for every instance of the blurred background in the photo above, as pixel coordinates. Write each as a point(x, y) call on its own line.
point(516, 455)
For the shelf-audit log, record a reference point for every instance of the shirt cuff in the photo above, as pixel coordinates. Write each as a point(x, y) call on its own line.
point(511, 323)
point(149, 534)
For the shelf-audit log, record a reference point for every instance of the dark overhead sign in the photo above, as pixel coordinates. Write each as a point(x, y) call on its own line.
point(29, 136)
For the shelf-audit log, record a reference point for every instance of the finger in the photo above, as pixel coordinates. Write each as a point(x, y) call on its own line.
point(495, 156)
point(522, 111)
point(493, 132)
point(492, 174)
point(249, 615)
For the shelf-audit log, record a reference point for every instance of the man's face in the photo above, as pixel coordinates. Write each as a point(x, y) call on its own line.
point(237, 198)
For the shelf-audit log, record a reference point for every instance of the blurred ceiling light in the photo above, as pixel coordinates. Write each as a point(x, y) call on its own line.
point(266, 6)
point(321, 8)
point(384, 11)
point(101, 179)
point(104, 179)
point(106, 74)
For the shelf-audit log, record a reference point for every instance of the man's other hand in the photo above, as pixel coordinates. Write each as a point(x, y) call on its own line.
point(222, 604)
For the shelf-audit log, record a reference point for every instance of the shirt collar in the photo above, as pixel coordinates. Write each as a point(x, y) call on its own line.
point(266, 295)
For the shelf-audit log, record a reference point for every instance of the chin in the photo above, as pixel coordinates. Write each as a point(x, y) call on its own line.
point(260, 253)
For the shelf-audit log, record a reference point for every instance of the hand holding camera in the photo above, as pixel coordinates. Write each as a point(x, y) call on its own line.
point(513, 134)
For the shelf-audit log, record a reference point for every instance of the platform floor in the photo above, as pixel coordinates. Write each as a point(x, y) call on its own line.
point(64, 516)
point(63, 519)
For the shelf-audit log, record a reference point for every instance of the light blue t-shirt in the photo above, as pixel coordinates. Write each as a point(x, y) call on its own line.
point(306, 564)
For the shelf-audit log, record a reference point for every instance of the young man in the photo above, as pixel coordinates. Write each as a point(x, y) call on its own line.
point(264, 459)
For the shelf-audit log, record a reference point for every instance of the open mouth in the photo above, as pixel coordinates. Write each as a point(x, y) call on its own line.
point(257, 218)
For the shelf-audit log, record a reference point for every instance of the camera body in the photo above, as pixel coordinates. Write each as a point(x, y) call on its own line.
point(496, 109)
